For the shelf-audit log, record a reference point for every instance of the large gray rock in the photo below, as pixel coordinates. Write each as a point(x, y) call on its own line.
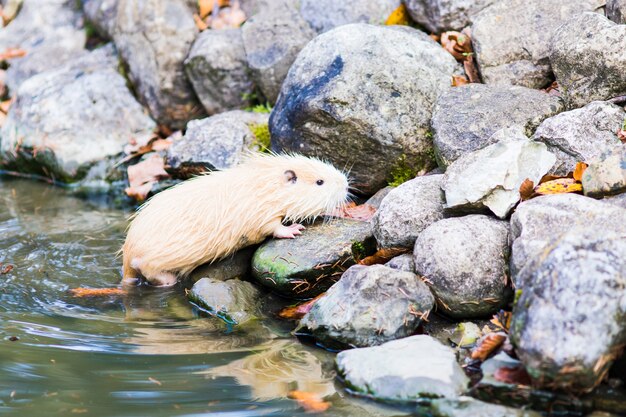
point(568, 323)
point(581, 135)
point(519, 54)
point(309, 265)
point(324, 15)
point(466, 117)
point(440, 15)
point(272, 40)
point(362, 96)
point(101, 14)
point(407, 369)
point(470, 407)
point(218, 142)
point(218, 70)
point(491, 177)
point(465, 260)
point(233, 301)
point(587, 56)
point(403, 263)
point(537, 221)
point(154, 37)
point(66, 120)
point(616, 11)
point(607, 174)
point(407, 210)
point(616, 200)
point(368, 306)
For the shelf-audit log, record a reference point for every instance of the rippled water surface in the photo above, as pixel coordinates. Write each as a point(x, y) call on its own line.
point(149, 353)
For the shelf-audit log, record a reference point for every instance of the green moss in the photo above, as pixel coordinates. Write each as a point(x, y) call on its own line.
point(624, 124)
point(358, 251)
point(518, 294)
point(401, 172)
point(261, 132)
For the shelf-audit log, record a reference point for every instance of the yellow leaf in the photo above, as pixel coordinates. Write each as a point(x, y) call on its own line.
point(400, 16)
point(310, 401)
point(559, 186)
point(579, 170)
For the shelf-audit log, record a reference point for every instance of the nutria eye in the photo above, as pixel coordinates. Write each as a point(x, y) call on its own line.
point(319, 182)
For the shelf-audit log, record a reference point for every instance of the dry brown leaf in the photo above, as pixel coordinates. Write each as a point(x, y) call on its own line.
point(228, 17)
point(143, 175)
point(11, 53)
point(5, 105)
point(310, 401)
point(502, 319)
point(200, 24)
point(527, 189)
point(487, 345)
point(457, 43)
point(579, 170)
point(516, 375)
point(362, 212)
point(559, 186)
point(553, 89)
point(206, 6)
point(400, 16)
point(96, 292)
point(298, 311)
point(621, 135)
point(458, 80)
point(469, 65)
point(383, 256)
point(6, 269)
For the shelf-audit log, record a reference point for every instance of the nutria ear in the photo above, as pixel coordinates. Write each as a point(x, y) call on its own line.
point(290, 176)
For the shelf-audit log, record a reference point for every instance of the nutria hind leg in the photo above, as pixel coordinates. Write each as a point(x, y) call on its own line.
point(162, 279)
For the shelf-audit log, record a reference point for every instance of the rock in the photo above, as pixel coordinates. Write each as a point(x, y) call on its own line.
point(234, 301)
point(607, 174)
point(587, 56)
point(376, 200)
point(236, 266)
point(441, 15)
point(519, 55)
point(466, 117)
point(617, 200)
point(616, 11)
point(469, 407)
point(272, 40)
point(219, 72)
point(362, 96)
point(324, 15)
point(581, 135)
point(101, 14)
point(218, 142)
point(309, 265)
point(66, 120)
point(402, 263)
point(491, 177)
point(537, 221)
point(465, 260)
point(568, 323)
point(368, 306)
point(407, 210)
point(154, 37)
point(407, 369)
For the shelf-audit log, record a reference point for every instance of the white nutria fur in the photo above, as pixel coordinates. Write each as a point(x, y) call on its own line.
point(209, 217)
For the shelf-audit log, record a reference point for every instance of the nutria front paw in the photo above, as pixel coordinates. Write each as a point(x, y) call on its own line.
point(288, 232)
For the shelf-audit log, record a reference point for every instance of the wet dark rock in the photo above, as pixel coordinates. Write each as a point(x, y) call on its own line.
point(376, 200)
point(616, 11)
point(66, 120)
point(407, 210)
point(466, 117)
point(368, 306)
point(234, 301)
point(218, 142)
point(407, 369)
point(235, 266)
point(403, 263)
point(539, 220)
point(568, 322)
point(606, 175)
point(519, 55)
point(153, 38)
point(272, 40)
point(441, 15)
point(491, 177)
point(218, 69)
point(362, 96)
point(324, 15)
point(470, 407)
point(465, 260)
point(587, 56)
point(101, 14)
point(308, 265)
point(581, 135)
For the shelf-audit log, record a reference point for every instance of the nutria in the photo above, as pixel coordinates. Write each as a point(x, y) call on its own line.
point(211, 216)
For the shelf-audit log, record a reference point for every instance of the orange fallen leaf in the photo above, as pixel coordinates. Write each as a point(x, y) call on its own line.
point(559, 186)
point(200, 24)
point(228, 17)
point(6, 269)
point(143, 175)
point(579, 170)
point(527, 189)
point(352, 211)
point(621, 135)
point(206, 6)
point(457, 43)
point(383, 256)
point(553, 89)
point(458, 80)
point(502, 319)
point(516, 375)
point(298, 311)
point(96, 292)
point(310, 401)
point(400, 16)
point(487, 345)
point(11, 53)
point(4, 105)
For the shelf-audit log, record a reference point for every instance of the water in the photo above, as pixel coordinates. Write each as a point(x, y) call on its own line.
point(149, 353)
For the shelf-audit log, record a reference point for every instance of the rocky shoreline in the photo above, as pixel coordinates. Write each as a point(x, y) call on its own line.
point(125, 98)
